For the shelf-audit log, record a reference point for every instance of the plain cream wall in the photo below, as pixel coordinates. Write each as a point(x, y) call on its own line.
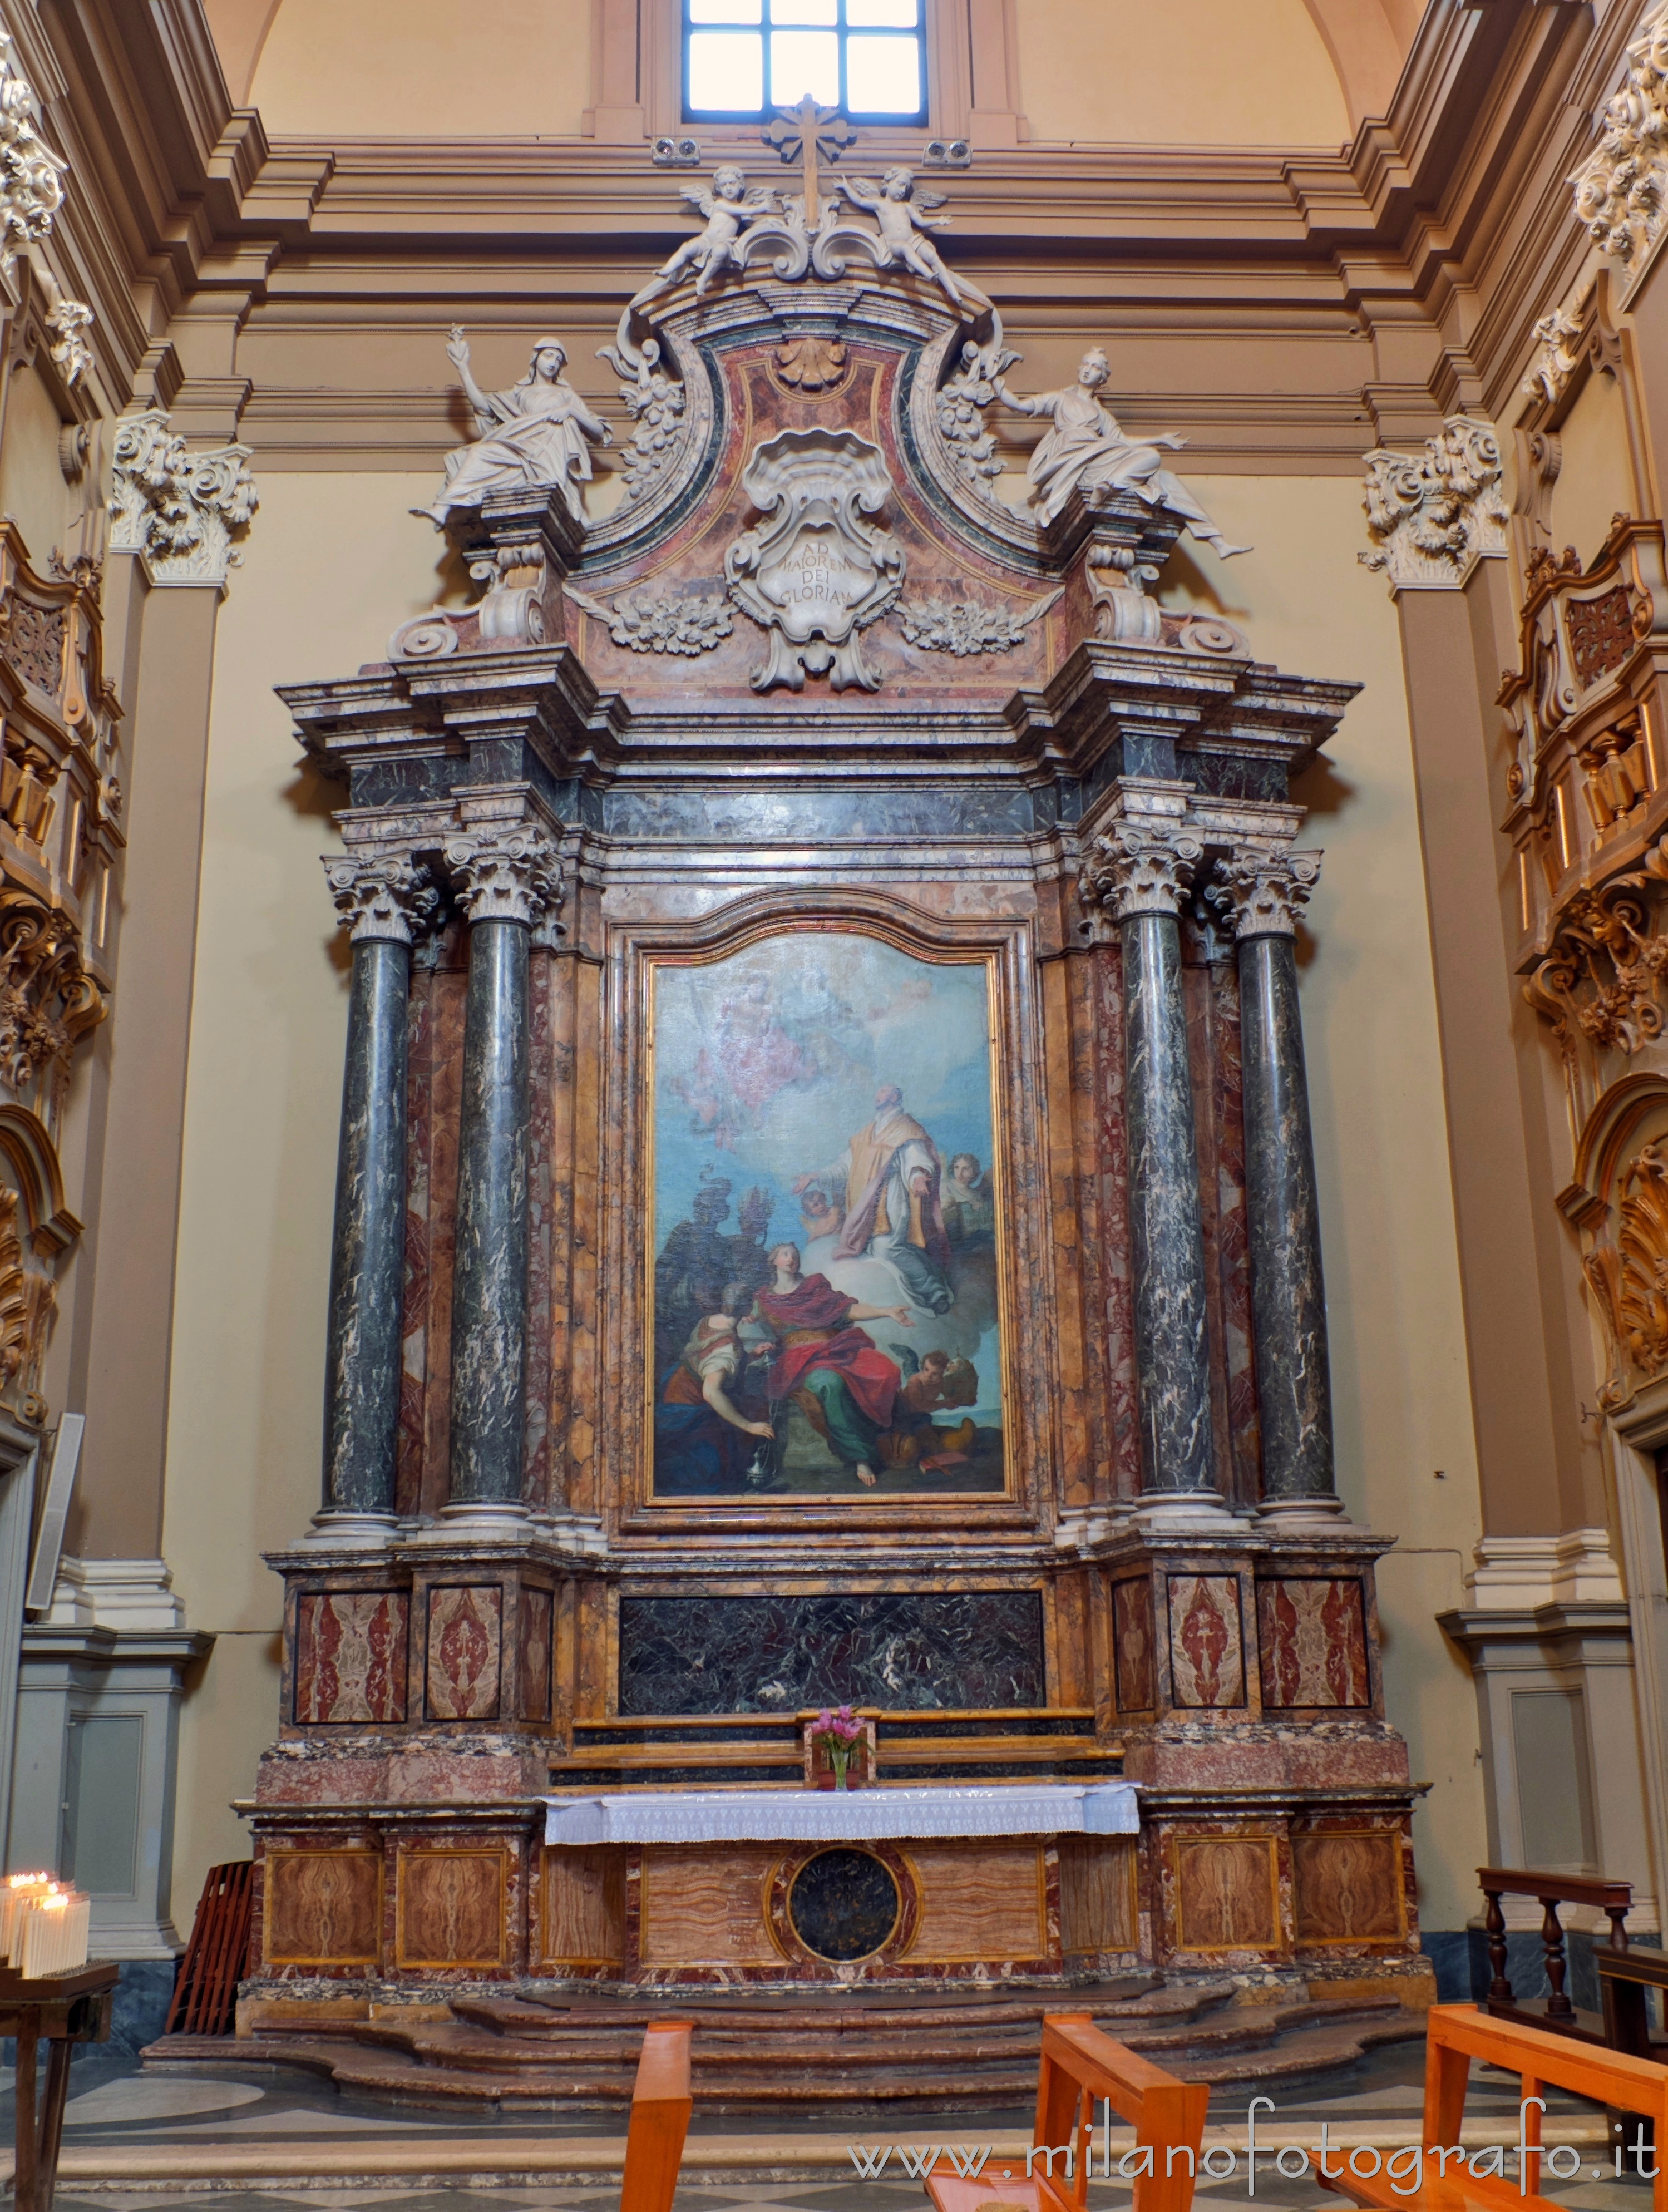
point(417, 69)
point(331, 563)
point(1400, 1388)
point(1108, 71)
point(1595, 480)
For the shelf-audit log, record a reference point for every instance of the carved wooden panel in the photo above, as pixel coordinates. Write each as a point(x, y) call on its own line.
point(1207, 1648)
point(979, 1901)
point(1098, 1903)
point(582, 1907)
point(1226, 1894)
point(1312, 1636)
point(449, 1908)
point(701, 1909)
point(538, 1610)
point(350, 1656)
point(1132, 1646)
point(1348, 1887)
point(323, 1908)
point(465, 1651)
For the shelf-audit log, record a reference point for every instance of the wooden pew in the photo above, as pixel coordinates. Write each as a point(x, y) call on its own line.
point(1081, 2066)
point(660, 2106)
point(1457, 2034)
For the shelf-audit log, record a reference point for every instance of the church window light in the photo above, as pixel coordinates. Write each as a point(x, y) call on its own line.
point(743, 59)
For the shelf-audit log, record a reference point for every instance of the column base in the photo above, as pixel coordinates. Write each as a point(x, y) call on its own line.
point(1177, 1508)
point(337, 1531)
point(485, 1520)
point(1326, 1511)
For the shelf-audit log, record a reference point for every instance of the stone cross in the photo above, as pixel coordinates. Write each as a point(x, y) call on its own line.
point(807, 130)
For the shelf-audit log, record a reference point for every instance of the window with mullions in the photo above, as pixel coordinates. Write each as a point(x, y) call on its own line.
point(744, 59)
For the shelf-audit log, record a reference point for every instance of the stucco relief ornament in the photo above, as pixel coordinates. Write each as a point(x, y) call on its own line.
point(1132, 870)
point(180, 506)
point(539, 432)
point(654, 400)
point(393, 900)
point(1558, 335)
point(1084, 450)
point(68, 322)
point(1432, 515)
point(506, 874)
point(1622, 188)
point(31, 175)
point(681, 623)
point(960, 628)
point(814, 572)
point(1631, 1278)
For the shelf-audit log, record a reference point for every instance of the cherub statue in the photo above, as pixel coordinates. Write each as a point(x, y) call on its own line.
point(903, 216)
point(1087, 448)
point(728, 208)
point(539, 432)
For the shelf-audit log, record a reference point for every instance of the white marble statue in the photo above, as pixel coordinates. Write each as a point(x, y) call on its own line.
point(1086, 449)
point(903, 216)
point(729, 209)
point(539, 432)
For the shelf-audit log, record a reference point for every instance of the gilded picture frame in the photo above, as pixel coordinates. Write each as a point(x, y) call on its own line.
point(828, 1251)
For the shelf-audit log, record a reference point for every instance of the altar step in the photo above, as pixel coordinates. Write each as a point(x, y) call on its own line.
point(976, 2053)
point(712, 1750)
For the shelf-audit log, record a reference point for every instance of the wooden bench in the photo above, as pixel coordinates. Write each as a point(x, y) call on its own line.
point(1456, 2035)
point(660, 2106)
point(1081, 2066)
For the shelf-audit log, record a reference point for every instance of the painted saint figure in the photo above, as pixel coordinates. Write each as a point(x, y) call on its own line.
point(1085, 447)
point(539, 432)
point(705, 1443)
point(844, 1385)
point(890, 1173)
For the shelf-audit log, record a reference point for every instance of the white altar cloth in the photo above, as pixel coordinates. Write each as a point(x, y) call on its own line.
point(720, 1816)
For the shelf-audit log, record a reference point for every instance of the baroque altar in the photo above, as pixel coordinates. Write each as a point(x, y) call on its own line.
point(826, 1206)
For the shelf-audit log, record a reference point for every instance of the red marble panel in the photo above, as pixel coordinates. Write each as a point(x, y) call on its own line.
point(538, 1613)
point(350, 1658)
point(465, 1651)
point(1206, 1652)
point(1312, 1632)
point(1132, 1645)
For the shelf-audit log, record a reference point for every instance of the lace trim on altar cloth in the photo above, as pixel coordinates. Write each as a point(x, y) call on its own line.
point(711, 1816)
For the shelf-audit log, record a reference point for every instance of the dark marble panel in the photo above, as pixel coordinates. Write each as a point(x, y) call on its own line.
point(843, 1904)
point(925, 810)
point(972, 1648)
point(1230, 775)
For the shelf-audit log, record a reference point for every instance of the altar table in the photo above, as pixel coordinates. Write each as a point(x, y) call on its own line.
point(707, 1816)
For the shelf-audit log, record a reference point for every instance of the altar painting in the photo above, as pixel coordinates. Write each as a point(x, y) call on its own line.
point(825, 1241)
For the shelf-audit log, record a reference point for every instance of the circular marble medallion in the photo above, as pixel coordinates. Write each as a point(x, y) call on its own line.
point(844, 1904)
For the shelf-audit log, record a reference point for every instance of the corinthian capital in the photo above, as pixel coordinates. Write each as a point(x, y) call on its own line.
point(393, 900)
point(1431, 516)
point(1131, 872)
point(181, 507)
point(1265, 892)
point(506, 875)
point(31, 175)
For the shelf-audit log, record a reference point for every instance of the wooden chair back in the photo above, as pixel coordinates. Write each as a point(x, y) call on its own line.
point(1457, 2034)
point(1081, 2066)
point(660, 2106)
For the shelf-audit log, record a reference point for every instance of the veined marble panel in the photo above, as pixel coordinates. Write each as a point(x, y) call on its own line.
point(1207, 1645)
point(902, 1651)
point(465, 1651)
point(350, 1658)
point(1132, 1646)
point(1313, 1641)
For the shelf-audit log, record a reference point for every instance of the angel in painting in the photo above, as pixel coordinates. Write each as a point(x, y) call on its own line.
point(903, 216)
point(727, 209)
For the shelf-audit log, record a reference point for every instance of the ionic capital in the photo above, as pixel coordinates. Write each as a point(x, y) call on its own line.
point(506, 875)
point(390, 899)
point(1265, 892)
point(1132, 872)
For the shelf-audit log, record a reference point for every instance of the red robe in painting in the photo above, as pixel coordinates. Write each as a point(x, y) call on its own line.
point(812, 1327)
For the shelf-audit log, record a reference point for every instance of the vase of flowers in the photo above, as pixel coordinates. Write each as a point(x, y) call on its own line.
point(837, 1736)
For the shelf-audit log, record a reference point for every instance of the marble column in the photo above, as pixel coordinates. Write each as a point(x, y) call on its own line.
point(505, 879)
point(1141, 876)
point(1265, 893)
point(383, 903)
